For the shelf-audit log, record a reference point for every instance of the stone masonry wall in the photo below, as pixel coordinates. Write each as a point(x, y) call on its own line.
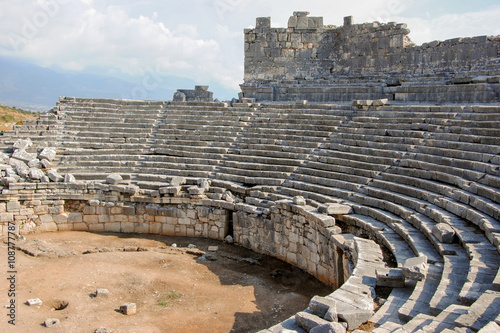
point(295, 234)
point(308, 54)
point(298, 234)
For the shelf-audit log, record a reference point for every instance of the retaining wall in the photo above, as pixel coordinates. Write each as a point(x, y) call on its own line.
point(297, 234)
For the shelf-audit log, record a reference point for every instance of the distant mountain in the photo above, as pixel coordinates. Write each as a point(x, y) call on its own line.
point(32, 87)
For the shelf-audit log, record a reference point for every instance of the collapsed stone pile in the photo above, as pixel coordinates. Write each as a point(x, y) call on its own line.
point(27, 165)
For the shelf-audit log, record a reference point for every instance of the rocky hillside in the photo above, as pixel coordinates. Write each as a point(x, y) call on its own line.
point(9, 116)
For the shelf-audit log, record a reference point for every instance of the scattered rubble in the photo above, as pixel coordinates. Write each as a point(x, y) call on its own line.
point(128, 309)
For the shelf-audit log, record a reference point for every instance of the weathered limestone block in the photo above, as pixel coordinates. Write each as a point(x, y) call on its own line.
point(228, 196)
point(49, 322)
point(195, 190)
point(22, 144)
point(416, 268)
point(23, 155)
point(46, 163)
point(101, 292)
point(48, 154)
point(5, 181)
point(335, 209)
point(299, 200)
point(329, 328)
point(179, 97)
point(55, 176)
point(34, 301)
point(35, 173)
point(354, 317)
point(174, 190)
point(204, 183)
point(4, 158)
point(177, 181)
point(21, 168)
point(128, 309)
point(308, 321)
point(102, 329)
point(263, 23)
point(69, 178)
point(444, 232)
point(35, 163)
point(320, 305)
point(114, 179)
point(381, 102)
point(387, 277)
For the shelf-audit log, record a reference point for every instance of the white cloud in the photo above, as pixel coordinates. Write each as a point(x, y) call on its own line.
point(200, 40)
point(478, 23)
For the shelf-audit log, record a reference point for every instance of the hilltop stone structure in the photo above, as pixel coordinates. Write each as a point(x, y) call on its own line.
point(398, 188)
point(322, 63)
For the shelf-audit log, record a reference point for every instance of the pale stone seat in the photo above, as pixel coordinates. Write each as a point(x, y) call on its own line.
point(277, 155)
point(212, 130)
point(383, 234)
point(241, 155)
point(259, 165)
point(274, 147)
point(378, 162)
point(484, 310)
point(419, 300)
point(194, 152)
point(383, 143)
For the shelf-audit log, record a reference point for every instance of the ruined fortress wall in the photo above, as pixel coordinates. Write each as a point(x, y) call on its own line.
point(327, 63)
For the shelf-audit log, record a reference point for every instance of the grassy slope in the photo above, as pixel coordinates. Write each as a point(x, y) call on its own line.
point(10, 116)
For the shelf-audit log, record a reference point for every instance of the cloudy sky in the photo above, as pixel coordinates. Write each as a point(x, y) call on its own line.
point(200, 39)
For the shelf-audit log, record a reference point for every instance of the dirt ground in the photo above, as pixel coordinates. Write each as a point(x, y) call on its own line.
point(176, 289)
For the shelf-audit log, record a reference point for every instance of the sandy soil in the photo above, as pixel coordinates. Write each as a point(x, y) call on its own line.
point(175, 288)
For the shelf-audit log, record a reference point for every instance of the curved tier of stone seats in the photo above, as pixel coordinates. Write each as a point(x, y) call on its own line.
point(401, 169)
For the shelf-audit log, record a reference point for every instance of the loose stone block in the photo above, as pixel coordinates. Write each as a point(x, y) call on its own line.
point(34, 301)
point(46, 164)
point(69, 178)
point(320, 305)
point(48, 154)
point(177, 181)
point(24, 156)
point(195, 190)
point(173, 190)
point(354, 317)
point(380, 102)
point(308, 320)
point(114, 179)
point(416, 268)
point(49, 322)
point(299, 200)
point(55, 176)
point(329, 328)
point(204, 183)
point(102, 330)
point(387, 277)
point(444, 232)
point(22, 144)
point(35, 173)
point(335, 209)
point(35, 163)
point(101, 292)
point(4, 158)
point(128, 309)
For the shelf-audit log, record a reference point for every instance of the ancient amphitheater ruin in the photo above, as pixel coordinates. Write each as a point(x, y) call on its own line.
point(344, 140)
